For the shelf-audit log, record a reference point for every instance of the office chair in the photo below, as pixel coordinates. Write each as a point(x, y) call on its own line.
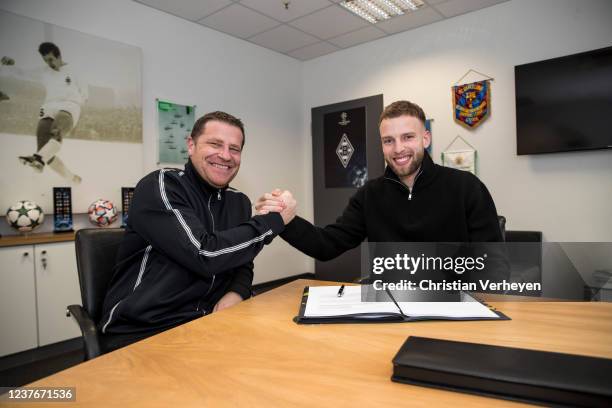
point(96, 251)
point(525, 256)
point(502, 226)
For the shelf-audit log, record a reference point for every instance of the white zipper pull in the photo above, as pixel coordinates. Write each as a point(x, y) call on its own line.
point(218, 195)
point(413, 183)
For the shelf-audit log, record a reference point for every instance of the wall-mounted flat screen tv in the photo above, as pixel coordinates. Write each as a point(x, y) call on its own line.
point(564, 104)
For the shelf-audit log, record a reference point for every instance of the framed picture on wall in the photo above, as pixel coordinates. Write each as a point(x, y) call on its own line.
point(345, 148)
point(174, 124)
point(70, 109)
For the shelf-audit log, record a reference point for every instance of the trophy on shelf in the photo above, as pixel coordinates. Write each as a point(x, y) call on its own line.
point(62, 209)
point(127, 193)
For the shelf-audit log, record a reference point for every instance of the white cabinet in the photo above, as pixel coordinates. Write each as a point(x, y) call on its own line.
point(18, 329)
point(57, 286)
point(37, 282)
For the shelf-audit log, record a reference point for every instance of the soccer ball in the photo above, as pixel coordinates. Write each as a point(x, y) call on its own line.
point(102, 213)
point(25, 216)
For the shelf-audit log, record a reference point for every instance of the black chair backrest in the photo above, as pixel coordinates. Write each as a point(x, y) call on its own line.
point(524, 249)
point(502, 226)
point(524, 236)
point(96, 252)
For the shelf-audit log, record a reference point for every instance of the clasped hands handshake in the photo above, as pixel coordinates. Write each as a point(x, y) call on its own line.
point(277, 201)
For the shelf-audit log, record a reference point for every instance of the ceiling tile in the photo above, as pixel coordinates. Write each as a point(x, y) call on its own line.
point(357, 37)
point(190, 9)
point(283, 39)
point(455, 7)
point(329, 22)
point(238, 21)
point(410, 20)
point(313, 51)
point(307, 22)
point(276, 9)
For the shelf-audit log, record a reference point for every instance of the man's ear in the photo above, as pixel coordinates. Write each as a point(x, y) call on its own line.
point(190, 145)
point(427, 139)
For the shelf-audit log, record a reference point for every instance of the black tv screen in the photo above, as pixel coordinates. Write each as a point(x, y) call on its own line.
point(564, 104)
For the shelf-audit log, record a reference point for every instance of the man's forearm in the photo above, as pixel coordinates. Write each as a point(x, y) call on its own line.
point(242, 282)
point(320, 243)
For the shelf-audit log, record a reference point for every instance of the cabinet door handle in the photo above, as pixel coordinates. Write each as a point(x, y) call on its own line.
point(26, 254)
point(43, 259)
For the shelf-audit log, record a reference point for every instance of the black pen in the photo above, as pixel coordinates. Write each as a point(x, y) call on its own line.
point(341, 291)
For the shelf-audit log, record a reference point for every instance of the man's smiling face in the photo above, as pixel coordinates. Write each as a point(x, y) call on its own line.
point(216, 152)
point(404, 140)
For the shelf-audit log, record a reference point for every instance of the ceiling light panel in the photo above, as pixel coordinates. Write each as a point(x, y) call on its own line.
point(374, 10)
point(354, 8)
point(380, 10)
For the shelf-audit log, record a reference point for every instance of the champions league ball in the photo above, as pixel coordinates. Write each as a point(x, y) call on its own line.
point(102, 213)
point(25, 216)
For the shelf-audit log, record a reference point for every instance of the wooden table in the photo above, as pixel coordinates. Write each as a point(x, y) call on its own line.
point(254, 355)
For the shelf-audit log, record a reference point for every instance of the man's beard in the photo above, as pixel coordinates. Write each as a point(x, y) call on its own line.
point(415, 164)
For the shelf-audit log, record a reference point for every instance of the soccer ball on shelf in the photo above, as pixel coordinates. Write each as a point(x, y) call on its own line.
point(25, 215)
point(102, 213)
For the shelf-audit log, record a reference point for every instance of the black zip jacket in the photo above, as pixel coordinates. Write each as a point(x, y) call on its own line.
point(186, 245)
point(445, 205)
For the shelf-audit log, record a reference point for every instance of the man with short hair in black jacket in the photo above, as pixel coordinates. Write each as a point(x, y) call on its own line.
point(414, 201)
point(190, 240)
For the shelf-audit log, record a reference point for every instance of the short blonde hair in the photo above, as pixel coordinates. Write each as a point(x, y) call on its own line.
point(401, 108)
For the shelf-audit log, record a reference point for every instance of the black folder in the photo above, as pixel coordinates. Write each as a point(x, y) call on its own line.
point(504, 372)
point(397, 316)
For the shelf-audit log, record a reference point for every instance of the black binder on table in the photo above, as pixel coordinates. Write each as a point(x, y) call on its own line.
point(504, 372)
point(394, 313)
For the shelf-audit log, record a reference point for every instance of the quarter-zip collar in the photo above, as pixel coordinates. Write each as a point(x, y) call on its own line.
point(210, 191)
point(425, 175)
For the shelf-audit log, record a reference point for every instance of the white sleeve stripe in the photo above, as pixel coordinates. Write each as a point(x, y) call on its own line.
point(192, 238)
point(179, 216)
point(143, 266)
point(236, 247)
point(162, 189)
point(190, 235)
point(110, 317)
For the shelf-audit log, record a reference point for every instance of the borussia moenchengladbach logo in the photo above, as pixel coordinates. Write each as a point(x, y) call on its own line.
point(345, 150)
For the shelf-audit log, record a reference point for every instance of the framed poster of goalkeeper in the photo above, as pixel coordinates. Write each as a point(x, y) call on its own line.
point(70, 113)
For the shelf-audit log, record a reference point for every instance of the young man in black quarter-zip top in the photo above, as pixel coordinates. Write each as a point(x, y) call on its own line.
point(190, 240)
point(414, 201)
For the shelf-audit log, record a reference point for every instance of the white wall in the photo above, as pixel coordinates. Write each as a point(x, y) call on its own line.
point(568, 196)
point(188, 63)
